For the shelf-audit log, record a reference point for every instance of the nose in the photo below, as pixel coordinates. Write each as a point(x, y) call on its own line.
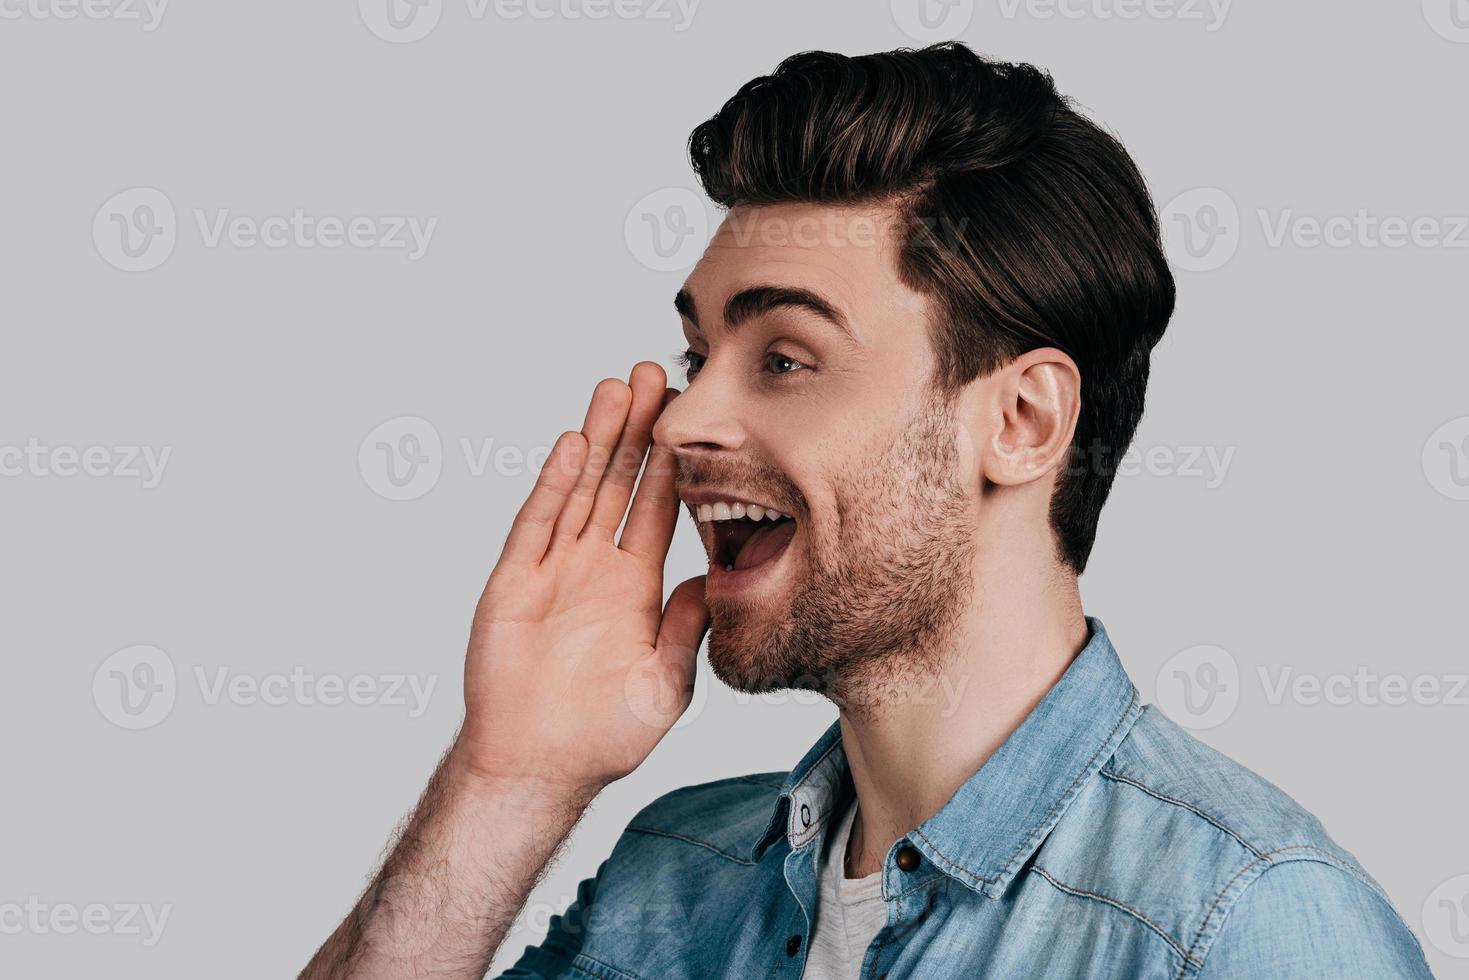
point(702, 419)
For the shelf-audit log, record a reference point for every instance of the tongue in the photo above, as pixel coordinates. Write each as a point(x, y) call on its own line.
point(765, 544)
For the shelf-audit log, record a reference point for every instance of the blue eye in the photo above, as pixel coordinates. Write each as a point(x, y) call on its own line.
point(781, 364)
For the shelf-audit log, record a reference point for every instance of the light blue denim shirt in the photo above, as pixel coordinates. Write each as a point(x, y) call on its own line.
point(1100, 840)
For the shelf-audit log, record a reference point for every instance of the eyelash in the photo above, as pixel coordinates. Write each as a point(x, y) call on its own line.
point(686, 360)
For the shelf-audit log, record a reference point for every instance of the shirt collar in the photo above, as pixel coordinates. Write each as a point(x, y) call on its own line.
point(1000, 815)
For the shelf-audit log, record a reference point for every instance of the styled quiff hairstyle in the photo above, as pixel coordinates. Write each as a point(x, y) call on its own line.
point(1025, 223)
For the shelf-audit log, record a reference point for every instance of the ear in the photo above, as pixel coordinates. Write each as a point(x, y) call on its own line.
point(1034, 402)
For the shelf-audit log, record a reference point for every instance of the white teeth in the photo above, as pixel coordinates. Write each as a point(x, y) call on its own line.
point(727, 510)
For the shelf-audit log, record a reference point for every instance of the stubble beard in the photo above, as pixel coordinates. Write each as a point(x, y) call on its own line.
point(876, 614)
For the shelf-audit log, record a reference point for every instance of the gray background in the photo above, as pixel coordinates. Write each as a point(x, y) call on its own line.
point(1330, 376)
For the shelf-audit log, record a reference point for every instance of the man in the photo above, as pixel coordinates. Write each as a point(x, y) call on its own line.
point(917, 347)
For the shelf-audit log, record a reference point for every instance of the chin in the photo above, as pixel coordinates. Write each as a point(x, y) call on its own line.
point(749, 648)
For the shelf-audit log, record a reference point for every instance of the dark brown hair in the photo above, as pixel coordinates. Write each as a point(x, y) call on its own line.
point(1026, 223)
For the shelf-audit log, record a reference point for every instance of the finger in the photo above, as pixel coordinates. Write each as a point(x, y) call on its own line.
point(661, 688)
point(685, 620)
point(530, 532)
point(647, 382)
point(654, 513)
point(605, 417)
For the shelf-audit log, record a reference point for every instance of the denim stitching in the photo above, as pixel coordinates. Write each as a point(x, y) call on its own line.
point(918, 884)
point(1112, 774)
point(1067, 796)
point(1064, 798)
point(602, 971)
point(689, 840)
point(1082, 893)
point(1266, 858)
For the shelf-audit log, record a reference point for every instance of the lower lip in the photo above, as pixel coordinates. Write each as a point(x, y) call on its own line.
point(722, 581)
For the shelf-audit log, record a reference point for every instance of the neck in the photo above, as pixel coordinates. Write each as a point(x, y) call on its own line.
point(908, 758)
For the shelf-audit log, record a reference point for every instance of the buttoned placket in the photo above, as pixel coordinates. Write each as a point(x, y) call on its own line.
point(909, 883)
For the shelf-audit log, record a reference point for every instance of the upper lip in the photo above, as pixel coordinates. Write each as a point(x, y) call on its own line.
point(693, 496)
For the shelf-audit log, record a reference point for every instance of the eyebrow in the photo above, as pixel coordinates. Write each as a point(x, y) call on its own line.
point(755, 301)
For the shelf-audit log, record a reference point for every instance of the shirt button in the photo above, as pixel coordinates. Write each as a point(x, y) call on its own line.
point(793, 945)
point(909, 858)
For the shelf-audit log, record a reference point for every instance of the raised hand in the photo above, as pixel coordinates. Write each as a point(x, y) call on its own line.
point(575, 669)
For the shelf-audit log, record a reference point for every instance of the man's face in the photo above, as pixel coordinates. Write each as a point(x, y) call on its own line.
point(809, 395)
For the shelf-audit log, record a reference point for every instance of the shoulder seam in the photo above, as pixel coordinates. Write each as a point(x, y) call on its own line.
point(1164, 797)
point(654, 831)
point(1122, 907)
point(1270, 859)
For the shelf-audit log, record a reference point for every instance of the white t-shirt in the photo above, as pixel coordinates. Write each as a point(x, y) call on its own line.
point(849, 911)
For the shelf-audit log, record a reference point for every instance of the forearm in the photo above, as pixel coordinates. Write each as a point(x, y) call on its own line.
point(458, 874)
point(569, 667)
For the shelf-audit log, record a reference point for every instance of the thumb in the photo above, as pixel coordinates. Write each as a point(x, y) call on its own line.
point(685, 619)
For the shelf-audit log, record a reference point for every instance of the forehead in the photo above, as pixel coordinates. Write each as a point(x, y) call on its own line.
point(847, 254)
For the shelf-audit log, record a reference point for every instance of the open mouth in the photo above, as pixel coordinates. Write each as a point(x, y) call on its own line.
point(746, 535)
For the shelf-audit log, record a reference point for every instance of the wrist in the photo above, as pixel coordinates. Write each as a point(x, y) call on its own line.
point(494, 780)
